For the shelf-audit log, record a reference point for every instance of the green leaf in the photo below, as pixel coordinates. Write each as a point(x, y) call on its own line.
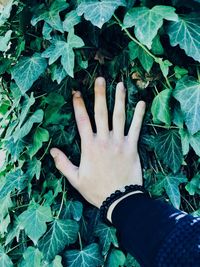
point(14, 148)
point(28, 70)
point(164, 65)
point(32, 258)
point(72, 210)
point(147, 21)
point(160, 108)
point(37, 117)
point(13, 180)
point(184, 141)
point(131, 261)
point(99, 12)
point(135, 51)
point(60, 234)
point(188, 139)
point(34, 168)
point(4, 40)
point(51, 16)
point(6, 203)
point(64, 50)
point(168, 149)
point(170, 183)
point(5, 12)
point(58, 73)
point(5, 261)
point(180, 72)
point(107, 236)
point(187, 92)
point(40, 136)
point(57, 262)
point(185, 33)
point(89, 256)
point(115, 258)
point(34, 220)
point(71, 19)
point(193, 187)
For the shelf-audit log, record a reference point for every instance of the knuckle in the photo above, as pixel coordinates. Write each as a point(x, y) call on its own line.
point(82, 119)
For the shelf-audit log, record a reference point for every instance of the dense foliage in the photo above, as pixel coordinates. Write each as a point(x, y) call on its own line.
point(48, 48)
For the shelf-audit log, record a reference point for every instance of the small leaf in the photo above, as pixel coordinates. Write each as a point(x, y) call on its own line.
point(34, 168)
point(57, 262)
point(60, 234)
point(71, 19)
point(41, 135)
point(13, 180)
point(4, 40)
point(28, 70)
point(65, 51)
point(98, 12)
point(58, 73)
point(72, 210)
point(115, 258)
point(187, 92)
point(160, 108)
point(89, 256)
point(34, 220)
point(5, 12)
point(193, 187)
point(107, 236)
point(5, 261)
point(32, 258)
point(168, 149)
point(184, 33)
point(147, 21)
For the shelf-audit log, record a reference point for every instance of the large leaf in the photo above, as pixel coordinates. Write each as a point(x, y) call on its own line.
point(185, 33)
point(34, 220)
point(5, 261)
point(160, 107)
point(147, 21)
point(28, 70)
point(187, 92)
point(37, 117)
point(64, 50)
point(107, 237)
point(170, 183)
point(32, 258)
point(135, 51)
point(168, 149)
point(99, 12)
point(115, 258)
point(51, 16)
point(89, 256)
point(13, 180)
point(60, 234)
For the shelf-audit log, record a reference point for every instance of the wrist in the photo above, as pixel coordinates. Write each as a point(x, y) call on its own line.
point(113, 205)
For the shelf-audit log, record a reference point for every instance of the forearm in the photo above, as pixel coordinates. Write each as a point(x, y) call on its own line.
point(143, 224)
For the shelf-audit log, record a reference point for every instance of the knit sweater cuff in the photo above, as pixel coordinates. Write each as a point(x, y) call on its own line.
point(142, 224)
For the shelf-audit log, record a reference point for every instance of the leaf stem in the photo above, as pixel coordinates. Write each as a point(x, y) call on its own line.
point(46, 149)
point(61, 205)
point(198, 74)
point(80, 241)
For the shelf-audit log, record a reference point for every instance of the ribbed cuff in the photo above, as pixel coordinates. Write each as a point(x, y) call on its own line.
point(142, 224)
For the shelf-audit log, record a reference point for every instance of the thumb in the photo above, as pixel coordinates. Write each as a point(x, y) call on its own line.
point(64, 165)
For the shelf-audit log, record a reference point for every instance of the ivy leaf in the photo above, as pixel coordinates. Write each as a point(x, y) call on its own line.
point(14, 148)
point(115, 258)
point(187, 92)
point(37, 117)
point(6, 203)
point(5, 261)
point(160, 107)
point(188, 139)
point(164, 65)
point(89, 256)
point(32, 258)
point(34, 168)
point(193, 187)
point(28, 70)
point(40, 136)
point(168, 149)
point(147, 21)
point(107, 236)
point(60, 234)
point(4, 40)
point(72, 210)
point(34, 220)
point(58, 73)
point(64, 50)
point(170, 183)
point(131, 261)
point(57, 262)
point(184, 33)
point(51, 16)
point(71, 19)
point(5, 12)
point(99, 12)
point(13, 180)
point(135, 51)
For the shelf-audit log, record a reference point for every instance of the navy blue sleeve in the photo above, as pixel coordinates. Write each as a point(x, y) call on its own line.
point(156, 233)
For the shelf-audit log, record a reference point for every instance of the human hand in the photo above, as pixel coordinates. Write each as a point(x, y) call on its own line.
point(109, 160)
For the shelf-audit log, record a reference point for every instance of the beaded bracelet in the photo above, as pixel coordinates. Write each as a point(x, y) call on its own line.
point(116, 195)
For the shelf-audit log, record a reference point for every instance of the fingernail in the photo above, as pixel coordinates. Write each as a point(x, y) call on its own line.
point(53, 153)
point(77, 94)
point(100, 81)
